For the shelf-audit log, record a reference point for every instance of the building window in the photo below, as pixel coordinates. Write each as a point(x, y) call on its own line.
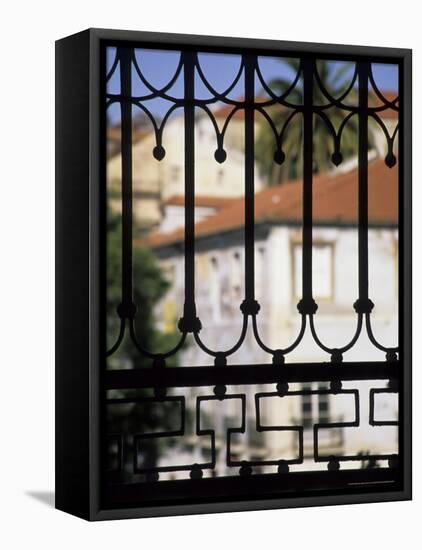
point(396, 267)
point(175, 173)
point(322, 271)
point(260, 273)
point(215, 291)
point(315, 407)
point(236, 277)
point(220, 176)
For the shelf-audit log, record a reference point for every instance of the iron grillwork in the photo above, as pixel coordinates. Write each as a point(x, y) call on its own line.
point(278, 372)
point(99, 472)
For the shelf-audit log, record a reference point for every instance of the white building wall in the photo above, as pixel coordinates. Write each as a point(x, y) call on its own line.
point(219, 296)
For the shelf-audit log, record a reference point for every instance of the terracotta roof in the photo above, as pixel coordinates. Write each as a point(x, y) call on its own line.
point(201, 200)
point(224, 110)
point(335, 202)
point(390, 96)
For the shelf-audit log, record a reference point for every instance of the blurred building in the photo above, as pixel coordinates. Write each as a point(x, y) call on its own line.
point(219, 264)
point(154, 182)
point(219, 291)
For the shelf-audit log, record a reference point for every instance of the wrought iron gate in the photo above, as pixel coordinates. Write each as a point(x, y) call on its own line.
point(162, 386)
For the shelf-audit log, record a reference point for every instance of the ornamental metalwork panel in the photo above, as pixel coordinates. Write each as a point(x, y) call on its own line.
point(251, 274)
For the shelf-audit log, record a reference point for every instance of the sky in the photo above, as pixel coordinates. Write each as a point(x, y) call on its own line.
point(158, 67)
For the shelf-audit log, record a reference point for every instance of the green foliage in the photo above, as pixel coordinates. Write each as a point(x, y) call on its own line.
point(149, 286)
point(336, 83)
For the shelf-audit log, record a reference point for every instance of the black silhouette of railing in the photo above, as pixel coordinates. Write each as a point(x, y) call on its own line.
point(278, 371)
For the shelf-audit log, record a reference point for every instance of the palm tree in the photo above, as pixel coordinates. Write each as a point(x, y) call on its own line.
point(280, 165)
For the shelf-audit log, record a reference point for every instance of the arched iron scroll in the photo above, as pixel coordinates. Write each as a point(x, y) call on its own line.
point(278, 370)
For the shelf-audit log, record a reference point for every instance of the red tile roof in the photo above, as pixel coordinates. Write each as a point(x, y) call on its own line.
point(334, 202)
point(201, 200)
point(390, 96)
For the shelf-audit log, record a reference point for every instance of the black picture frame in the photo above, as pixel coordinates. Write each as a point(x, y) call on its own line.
point(79, 256)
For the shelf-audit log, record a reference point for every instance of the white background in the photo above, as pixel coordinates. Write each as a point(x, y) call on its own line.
point(28, 32)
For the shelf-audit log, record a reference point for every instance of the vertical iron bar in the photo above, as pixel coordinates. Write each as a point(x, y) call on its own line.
point(308, 76)
point(126, 138)
point(189, 113)
point(249, 178)
point(363, 71)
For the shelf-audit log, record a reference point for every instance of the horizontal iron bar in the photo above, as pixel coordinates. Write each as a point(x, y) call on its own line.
point(255, 486)
point(249, 374)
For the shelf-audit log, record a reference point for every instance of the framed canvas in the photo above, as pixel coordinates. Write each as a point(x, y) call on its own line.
point(233, 274)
